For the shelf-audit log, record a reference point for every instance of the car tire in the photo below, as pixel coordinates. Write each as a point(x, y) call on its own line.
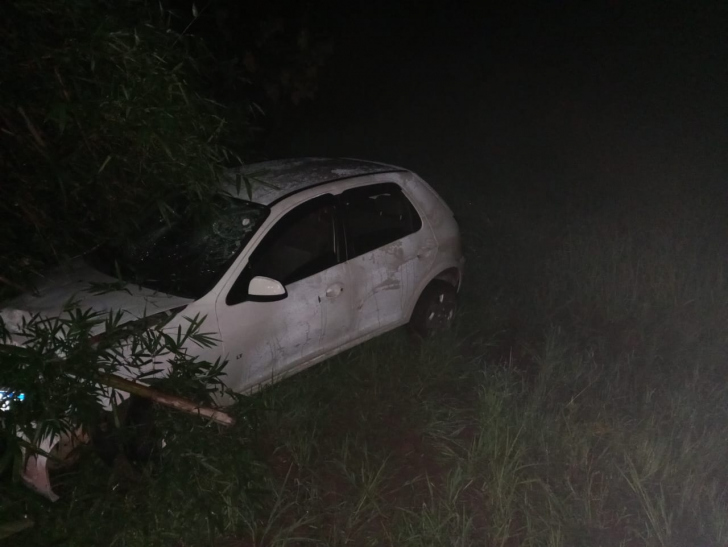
point(435, 310)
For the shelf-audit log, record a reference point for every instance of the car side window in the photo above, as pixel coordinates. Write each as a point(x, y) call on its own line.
point(302, 243)
point(375, 216)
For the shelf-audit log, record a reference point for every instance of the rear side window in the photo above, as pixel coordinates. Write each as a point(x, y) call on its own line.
point(375, 216)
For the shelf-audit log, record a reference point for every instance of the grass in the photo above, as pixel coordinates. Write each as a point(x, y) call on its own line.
point(580, 400)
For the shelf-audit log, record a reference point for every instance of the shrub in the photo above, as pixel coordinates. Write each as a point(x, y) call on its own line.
point(102, 127)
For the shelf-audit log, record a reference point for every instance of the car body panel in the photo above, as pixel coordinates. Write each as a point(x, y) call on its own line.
point(385, 279)
point(262, 340)
point(270, 181)
point(89, 289)
point(266, 341)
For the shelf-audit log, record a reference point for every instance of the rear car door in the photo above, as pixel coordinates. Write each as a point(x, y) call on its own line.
point(387, 246)
point(264, 340)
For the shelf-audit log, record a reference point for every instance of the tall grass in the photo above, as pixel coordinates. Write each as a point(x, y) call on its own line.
point(579, 402)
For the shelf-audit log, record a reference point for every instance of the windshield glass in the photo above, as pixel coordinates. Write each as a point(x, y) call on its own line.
point(185, 257)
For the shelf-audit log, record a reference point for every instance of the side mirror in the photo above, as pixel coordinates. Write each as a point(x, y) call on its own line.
point(265, 289)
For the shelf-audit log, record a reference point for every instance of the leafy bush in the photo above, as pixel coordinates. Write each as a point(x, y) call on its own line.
point(102, 127)
point(110, 117)
point(63, 371)
point(64, 366)
point(271, 51)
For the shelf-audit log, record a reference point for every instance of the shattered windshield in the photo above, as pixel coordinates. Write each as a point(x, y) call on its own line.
point(185, 257)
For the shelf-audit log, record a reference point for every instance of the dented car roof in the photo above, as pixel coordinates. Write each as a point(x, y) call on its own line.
point(269, 181)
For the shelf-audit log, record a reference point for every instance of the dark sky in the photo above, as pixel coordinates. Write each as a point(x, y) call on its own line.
point(561, 96)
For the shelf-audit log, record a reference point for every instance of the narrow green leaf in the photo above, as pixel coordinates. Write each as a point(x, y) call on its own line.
point(103, 165)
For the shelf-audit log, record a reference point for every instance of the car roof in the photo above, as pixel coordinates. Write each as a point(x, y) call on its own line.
point(270, 181)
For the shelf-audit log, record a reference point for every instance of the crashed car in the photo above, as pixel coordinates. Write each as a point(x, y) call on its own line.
point(308, 257)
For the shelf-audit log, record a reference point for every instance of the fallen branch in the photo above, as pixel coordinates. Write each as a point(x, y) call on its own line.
point(179, 403)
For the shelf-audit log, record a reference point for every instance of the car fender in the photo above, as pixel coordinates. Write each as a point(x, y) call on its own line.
point(438, 271)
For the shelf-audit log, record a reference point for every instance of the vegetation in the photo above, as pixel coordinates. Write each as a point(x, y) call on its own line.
point(108, 121)
point(102, 128)
point(111, 114)
point(579, 401)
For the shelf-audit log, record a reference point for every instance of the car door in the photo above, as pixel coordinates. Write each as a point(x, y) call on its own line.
point(264, 340)
point(387, 246)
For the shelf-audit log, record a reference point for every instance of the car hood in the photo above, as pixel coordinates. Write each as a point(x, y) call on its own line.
point(88, 289)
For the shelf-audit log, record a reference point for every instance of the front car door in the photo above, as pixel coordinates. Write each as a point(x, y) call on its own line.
point(387, 246)
point(264, 340)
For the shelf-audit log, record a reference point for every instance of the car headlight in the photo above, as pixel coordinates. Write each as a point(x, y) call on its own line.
point(7, 397)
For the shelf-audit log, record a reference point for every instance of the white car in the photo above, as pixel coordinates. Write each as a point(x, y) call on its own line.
point(308, 258)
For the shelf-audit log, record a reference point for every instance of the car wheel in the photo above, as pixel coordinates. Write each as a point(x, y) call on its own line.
point(435, 310)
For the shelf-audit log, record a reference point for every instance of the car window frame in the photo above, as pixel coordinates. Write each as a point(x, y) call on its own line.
point(339, 247)
point(111, 267)
point(383, 187)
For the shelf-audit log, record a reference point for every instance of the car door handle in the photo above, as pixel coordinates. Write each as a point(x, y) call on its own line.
point(334, 290)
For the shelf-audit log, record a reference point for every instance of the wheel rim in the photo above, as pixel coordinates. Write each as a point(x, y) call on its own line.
point(440, 313)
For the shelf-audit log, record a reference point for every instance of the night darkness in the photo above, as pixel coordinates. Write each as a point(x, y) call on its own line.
point(581, 395)
point(554, 97)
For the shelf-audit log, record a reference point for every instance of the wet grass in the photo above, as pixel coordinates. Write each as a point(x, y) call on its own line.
point(580, 400)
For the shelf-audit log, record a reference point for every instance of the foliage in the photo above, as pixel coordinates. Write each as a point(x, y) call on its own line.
point(581, 401)
point(60, 367)
point(580, 405)
point(102, 127)
point(216, 461)
point(271, 51)
point(110, 116)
